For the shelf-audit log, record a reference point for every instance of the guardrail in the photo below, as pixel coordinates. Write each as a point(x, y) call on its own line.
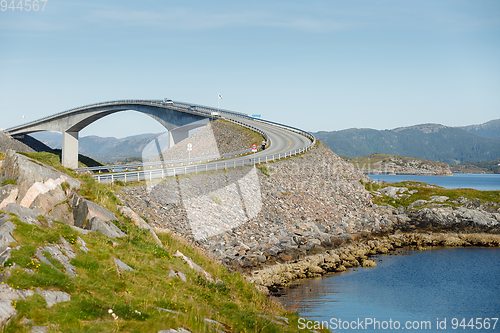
point(199, 159)
point(149, 175)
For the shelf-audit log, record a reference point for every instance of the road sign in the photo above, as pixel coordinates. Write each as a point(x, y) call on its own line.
point(190, 146)
point(254, 147)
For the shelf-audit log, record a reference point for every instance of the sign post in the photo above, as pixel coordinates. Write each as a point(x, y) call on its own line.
point(189, 148)
point(254, 149)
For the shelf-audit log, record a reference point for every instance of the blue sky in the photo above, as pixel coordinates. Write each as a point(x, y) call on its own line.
point(324, 65)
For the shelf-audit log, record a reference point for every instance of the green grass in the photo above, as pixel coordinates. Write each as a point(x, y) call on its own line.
point(9, 181)
point(132, 296)
point(253, 137)
point(425, 191)
point(264, 169)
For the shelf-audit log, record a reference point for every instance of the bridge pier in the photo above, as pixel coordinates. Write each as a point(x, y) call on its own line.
point(70, 150)
point(177, 135)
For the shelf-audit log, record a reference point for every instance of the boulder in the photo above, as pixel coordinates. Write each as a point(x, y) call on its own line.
point(439, 198)
point(8, 194)
point(105, 228)
point(7, 295)
point(24, 214)
point(392, 191)
point(84, 210)
point(44, 202)
point(457, 218)
point(194, 266)
point(55, 252)
point(63, 214)
point(6, 237)
point(53, 297)
point(417, 203)
point(27, 172)
point(122, 266)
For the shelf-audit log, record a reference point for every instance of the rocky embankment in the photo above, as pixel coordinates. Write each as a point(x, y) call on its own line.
point(217, 138)
point(245, 217)
point(399, 165)
point(287, 211)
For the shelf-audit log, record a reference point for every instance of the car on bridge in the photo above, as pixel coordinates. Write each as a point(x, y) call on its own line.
point(168, 101)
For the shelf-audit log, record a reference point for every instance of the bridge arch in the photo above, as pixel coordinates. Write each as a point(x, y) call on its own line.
point(177, 120)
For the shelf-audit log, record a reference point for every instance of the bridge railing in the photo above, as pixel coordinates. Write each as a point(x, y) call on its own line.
point(149, 175)
point(147, 165)
point(185, 107)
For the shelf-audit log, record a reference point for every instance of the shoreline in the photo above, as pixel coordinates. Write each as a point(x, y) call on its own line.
point(272, 279)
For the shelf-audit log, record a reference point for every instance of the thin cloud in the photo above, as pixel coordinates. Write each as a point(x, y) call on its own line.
point(187, 19)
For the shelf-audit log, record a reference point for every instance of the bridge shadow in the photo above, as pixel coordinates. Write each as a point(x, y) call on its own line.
point(38, 146)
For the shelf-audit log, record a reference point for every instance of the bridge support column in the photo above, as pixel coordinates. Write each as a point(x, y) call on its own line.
point(177, 135)
point(70, 149)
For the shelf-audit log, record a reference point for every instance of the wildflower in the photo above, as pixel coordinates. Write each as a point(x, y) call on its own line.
point(110, 311)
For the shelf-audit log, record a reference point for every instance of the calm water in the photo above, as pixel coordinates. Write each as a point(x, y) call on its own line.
point(421, 286)
point(483, 182)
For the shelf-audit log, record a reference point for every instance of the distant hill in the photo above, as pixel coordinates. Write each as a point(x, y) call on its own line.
point(491, 129)
point(102, 149)
point(432, 142)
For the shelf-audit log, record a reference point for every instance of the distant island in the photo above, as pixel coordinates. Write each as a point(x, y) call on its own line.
point(398, 165)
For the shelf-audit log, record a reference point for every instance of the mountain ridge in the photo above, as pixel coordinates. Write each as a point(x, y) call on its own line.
point(433, 142)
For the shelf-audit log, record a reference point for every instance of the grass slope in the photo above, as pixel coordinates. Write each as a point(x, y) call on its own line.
point(133, 296)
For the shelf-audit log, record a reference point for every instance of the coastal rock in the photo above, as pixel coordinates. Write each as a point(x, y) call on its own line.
point(194, 266)
point(8, 195)
point(122, 266)
point(26, 172)
point(55, 251)
point(7, 295)
point(447, 217)
point(392, 191)
point(368, 263)
point(106, 228)
point(53, 297)
point(417, 203)
point(62, 213)
point(400, 165)
point(439, 198)
point(84, 210)
point(39, 329)
point(24, 214)
point(6, 235)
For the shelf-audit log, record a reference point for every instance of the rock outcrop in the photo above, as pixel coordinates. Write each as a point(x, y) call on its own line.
point(38, 194)
point(399, 165)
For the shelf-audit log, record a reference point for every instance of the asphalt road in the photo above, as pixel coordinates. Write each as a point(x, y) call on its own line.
point(282, 142)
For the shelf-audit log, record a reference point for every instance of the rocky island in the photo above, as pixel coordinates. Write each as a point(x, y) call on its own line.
point(383, 164)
